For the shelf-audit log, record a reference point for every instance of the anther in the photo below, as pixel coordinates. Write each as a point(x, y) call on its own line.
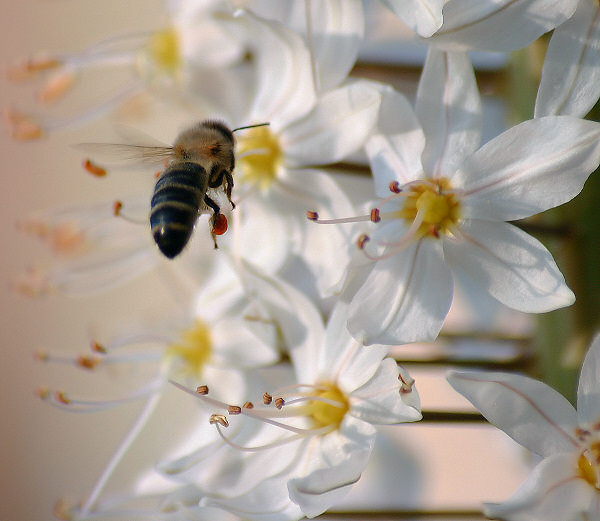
point(56, 87)
point(407, 383)
point(375, 217)
point(61, 397)
point(395, 187)
point(93, 168)
point(234, 409)
point(267, 399)
point(87, 362)
point(312, 216)
point(203, 389)
point(248, 405)
point(42, 393)
point(40, 356)
point(97, 348)
point(220, 419)
point(279, 403)
point(117, 208)
point(362, 240)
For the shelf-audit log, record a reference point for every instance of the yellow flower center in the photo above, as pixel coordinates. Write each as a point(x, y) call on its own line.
point(324, 413)
point(588, 465)
point(440, 210)
point(163, 50)
point(193, 349)
point(259, 167)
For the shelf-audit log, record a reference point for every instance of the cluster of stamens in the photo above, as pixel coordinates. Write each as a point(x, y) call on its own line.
point(588, 463)
point(320, 408)
point(430, 207)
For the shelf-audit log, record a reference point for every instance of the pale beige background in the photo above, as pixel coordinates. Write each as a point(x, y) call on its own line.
point(46, 454)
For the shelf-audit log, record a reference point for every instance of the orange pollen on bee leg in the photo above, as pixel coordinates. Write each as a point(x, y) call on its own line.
point(93, 168)
point(220, 226)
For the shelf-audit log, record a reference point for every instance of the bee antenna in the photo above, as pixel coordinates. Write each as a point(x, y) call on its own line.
point(251, 126)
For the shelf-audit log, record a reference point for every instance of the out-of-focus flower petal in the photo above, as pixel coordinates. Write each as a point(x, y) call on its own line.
point(338, 125)
point(532, 167)
point(498, 25)
point(552, 492)
point(449, 109)
point(422, 16)
point(510, 265)
point(532, 413)
point(381, 401)
point(336, 463)
point(396, 147)
point(570, 81)
point(588, 393)
point(405, 298)
point(285, 90)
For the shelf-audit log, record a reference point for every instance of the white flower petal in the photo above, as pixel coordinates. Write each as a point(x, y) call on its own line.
point(285, 90)
point(268, 501)
point(245, 343)
point(342, 359)
point(380, 400)
point(570, 81)
point(299, 321)
point(336, 463)
point(338, 28)
point(422, 16)
point(498, 25)
point(530, 412)
point(395, 149)
point(449, 109)
point(404, 299)
point(532, 167)
point(510, 265)
point(338, 125)
point(553, 492)
point(588, 393)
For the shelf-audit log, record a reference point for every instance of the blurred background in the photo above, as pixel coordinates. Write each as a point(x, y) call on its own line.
point(442, 467)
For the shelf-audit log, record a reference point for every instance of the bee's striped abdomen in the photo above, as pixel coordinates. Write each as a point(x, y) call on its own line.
point(177, 198)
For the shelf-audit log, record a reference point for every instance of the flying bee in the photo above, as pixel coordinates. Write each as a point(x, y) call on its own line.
point(201, 157)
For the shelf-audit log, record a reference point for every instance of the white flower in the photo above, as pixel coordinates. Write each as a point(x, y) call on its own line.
point(565, 486)
point(227, 332)
point(326, 420)
point(276, 175)
point(447, 203)
point(570, 81)
point(170, 62)
point(498, 25)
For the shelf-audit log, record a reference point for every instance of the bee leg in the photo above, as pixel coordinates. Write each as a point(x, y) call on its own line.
point(213, 220)
point(223, 177)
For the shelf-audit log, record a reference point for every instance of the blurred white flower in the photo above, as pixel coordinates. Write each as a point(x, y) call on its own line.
point(570, 81)
point(197, 36)
point(498, 25)
point(227, 331)
point(319, 431)
point(446, 202)
point(565, 486)
point(422, 16)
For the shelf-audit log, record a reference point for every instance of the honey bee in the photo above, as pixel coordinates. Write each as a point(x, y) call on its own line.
point(201, 157)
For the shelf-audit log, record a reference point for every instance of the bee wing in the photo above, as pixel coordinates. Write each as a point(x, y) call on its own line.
point(138, 148)
point(119, 153)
